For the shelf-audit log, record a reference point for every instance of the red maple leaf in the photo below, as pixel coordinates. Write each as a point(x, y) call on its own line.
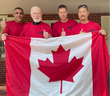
point(61, 69)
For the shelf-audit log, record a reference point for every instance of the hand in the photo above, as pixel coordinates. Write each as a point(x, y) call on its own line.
point(4, 36)
point(81, 32)
point(3, 23)
point(46, 34)
point(63, 33)
point(102, 32)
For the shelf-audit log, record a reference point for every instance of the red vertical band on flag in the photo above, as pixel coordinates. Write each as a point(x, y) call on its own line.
point(100, 64)
point(61, 87)
point(17, 66)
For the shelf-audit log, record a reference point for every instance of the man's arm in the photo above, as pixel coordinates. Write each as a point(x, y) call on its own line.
point(3, 25)
point(46, 35)
point(82, 32)
point(3, 36)
point(104, 33)
point(63, 33)
point(106, 36)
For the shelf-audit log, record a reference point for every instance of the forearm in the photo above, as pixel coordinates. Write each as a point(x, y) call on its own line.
point(2, 31)
point(106, 37)
point(0, 36)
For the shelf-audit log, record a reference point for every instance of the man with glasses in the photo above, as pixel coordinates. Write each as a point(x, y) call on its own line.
point(85, 25)
point(37, 28)
point(64, 26)
point(14, 27)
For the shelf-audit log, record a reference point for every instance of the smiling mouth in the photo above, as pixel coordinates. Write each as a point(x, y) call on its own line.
point(36, 18)
point(19, 18)
point(82, 16)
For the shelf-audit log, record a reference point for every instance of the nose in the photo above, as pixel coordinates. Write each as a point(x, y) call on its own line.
point(36, 14)
point(63, 13)
point(82, 13)
point(19, 14)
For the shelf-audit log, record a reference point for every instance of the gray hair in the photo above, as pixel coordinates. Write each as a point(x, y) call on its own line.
point(35, 7)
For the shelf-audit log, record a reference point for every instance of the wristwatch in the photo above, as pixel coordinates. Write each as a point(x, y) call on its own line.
point(106, 34)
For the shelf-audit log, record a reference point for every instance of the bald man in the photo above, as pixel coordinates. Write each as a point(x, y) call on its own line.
point(37, 28)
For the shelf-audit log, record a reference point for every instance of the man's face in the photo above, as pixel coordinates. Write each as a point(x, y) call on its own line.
point(63, 14)
point(36, 15)
point(18, 15)
point(83, 14)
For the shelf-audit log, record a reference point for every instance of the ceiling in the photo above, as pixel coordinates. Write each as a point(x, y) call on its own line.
point(50, 6)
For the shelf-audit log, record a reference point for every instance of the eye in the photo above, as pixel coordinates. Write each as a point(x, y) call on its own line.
point(34, 13)
point(16, 13)
point(79, 12)
point(21, 13)
point(84, 11)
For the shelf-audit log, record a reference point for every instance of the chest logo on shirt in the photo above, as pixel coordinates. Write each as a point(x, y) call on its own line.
point(91, 30)
point(40, 32)
point(70, 27)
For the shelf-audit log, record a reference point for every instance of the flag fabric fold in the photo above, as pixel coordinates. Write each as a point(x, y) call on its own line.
point(75, 65)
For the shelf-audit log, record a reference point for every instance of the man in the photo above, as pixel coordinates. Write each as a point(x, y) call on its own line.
point(85, 25)
point(36, 28)
point(14, 27)
point(64, 26)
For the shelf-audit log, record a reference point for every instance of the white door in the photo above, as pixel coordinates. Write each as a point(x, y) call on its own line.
point(105, 24)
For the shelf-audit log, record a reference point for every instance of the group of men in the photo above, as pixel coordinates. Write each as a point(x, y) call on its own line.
point(39, 29)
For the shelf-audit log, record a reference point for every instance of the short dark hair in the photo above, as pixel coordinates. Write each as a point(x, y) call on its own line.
point(19, 8)
point(84, 5)
point(62, 6)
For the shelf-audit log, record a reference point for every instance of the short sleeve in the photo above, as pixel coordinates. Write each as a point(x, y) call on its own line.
point(7, 29)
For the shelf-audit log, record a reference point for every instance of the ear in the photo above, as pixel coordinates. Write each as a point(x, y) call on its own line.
point(67, 12)
point(58, 12)
point(23, 15)
point(31, 15)
point(88, 13)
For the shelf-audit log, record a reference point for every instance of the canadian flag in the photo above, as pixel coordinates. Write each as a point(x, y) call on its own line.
point(75, 65)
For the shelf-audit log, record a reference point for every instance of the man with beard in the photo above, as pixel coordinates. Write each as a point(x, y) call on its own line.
point(37, 28)
point(64, 26)
point(14, 27)
point(85, 25)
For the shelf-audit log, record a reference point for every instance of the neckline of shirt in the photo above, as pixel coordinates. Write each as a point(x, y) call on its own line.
point(34, 23)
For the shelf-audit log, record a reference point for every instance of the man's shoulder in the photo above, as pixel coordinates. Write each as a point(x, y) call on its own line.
point(45, 24)
point(9, 22)
point(28, 24)
point(57, 23)
point(71, 20)
point(92, 22)
point(79, 24)
point(96, 25)
point(14, 22)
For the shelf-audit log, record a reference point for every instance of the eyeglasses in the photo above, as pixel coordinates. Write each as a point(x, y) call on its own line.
point(82, 6)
